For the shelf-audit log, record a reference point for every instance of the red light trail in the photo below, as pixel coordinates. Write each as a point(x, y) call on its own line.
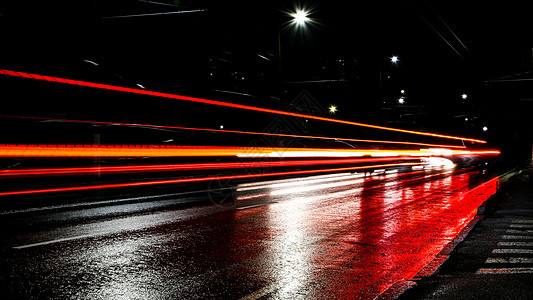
point(221, 103)
point(205, 151)
point(233, 131)
point(197, 179)
point(191, 167)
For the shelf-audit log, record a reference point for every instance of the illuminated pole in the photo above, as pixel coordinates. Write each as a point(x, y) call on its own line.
point(299, 19)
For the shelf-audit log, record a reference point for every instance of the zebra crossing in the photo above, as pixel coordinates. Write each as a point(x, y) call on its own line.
point(514, 251)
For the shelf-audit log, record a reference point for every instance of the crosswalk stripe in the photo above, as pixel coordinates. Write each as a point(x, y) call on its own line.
point(509, 260)
point(504, 270)
point(521, 226)
point(523, 221)
point(519, 231)
point(513, 251)
point(517, 237)
point(515, 244)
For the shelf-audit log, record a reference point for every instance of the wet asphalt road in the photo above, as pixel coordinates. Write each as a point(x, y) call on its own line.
point(343, 236)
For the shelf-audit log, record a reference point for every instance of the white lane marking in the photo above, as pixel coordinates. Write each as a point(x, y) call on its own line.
point(517, 237)
point(58, 241)
point(522, 221)
point(504, 271)
point(516, 244)
point(513, 251)
point(127, 224)
point(254, 206)
point(518, 231)
point(97, 203)
point(509, 260)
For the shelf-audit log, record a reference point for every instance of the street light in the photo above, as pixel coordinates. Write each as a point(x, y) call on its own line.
point(464, 96)
point(300, 17)
point(394, 59)
point(332, 109)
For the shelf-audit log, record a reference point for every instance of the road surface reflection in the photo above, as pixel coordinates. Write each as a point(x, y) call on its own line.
point(351, 236)
point(339, 236)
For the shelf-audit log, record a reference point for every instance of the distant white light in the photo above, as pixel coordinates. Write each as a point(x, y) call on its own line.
point(332, 109)
point(464, 96)
point(394, 59)
point(402, 91)
point(438, 162)
point(221, 126)
point(485, 128)
point(466, 119)
point(300, 17)
point(401, 100)
point(91, 62)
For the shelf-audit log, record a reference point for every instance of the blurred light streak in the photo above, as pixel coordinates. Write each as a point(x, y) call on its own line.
point(204, 151)
point(196, 179)
point(438, 162)
point(188, 167)
point(221, 130)
point(307, 188)
point(297, 182)
point(263, 184)
point(225, 104)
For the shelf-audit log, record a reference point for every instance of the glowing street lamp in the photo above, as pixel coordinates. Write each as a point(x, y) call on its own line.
point(394, 59)
point(464, 96)
point(332, 109)
point(300, 17)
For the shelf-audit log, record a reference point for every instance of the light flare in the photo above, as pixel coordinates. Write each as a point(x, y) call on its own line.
point(213, 151)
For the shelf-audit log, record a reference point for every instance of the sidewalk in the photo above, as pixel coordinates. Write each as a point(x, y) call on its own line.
point(495, 261)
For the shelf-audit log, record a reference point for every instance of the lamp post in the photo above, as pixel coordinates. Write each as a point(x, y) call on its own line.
point(299, 20)
point(394, 60)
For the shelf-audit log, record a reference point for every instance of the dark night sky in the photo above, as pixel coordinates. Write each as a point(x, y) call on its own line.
point(445, 48)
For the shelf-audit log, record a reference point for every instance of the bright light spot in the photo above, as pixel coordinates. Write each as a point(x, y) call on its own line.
point(394, 59)
point(402, 91)
point(485, 128)
point(332, 109)
point(464, 96)
point(141, 86)
point(438, 162)
point(401, 100)
point(300, 17)
point(91, 62)
point(466, 119)
point(221, 126)
point(438, 151)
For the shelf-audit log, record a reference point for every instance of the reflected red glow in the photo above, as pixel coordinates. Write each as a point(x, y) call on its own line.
point(203, 151)
point(357, 240)
point(198, 179)
point(235, 131)
point(225, 104)
point(192, 167)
